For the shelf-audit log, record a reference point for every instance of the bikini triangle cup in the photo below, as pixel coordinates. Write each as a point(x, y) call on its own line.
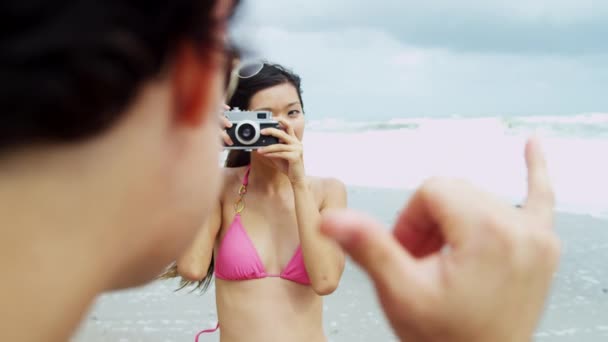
point(238, 260)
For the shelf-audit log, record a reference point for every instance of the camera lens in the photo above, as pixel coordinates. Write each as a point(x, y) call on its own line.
point(246, 132)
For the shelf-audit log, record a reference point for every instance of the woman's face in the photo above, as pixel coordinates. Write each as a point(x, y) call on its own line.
point(283, 101)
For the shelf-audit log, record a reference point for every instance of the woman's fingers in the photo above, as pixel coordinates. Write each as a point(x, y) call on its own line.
point(276, 148)
point(281, 135)
point(285, 155)
point(226, 138)
point(225, 122)
point(288, 127)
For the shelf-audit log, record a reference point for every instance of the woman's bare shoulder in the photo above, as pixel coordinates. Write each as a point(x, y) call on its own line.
point(325, 186)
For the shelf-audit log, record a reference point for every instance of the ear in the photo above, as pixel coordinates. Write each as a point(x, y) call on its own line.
point(193, 85)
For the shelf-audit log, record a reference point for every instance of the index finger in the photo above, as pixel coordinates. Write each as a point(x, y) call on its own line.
point(225, 122)
point(540, 193)
point(288, 126)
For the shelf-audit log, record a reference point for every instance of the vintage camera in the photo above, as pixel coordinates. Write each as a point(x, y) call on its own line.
point(246, 127)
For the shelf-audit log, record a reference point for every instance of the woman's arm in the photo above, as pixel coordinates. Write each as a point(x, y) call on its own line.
point(323, 258)
point(194, 263)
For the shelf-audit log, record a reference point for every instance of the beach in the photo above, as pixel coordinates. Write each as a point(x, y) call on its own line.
point(576, 311)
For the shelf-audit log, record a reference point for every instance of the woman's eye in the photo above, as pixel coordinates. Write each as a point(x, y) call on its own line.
point(293, 112)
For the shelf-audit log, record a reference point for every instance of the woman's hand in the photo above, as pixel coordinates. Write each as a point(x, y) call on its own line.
point(288, 154)
point(224, 125)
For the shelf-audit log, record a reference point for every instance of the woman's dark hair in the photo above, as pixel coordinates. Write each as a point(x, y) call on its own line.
point(69, 68)
point(271, 75)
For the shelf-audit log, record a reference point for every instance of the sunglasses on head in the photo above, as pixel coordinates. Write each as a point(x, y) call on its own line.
point(241, 70)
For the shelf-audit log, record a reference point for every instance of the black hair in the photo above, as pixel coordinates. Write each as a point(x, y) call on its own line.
point(69, 68)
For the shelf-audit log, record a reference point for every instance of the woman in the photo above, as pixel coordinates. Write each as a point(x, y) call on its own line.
point(263, 243)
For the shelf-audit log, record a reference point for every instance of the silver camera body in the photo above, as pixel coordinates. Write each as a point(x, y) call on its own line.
point(246, 129)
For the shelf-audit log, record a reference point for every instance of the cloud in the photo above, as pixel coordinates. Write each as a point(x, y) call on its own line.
point(461, 58)
point(517, 26)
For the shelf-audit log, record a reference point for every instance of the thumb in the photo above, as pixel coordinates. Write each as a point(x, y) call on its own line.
point(374, 248)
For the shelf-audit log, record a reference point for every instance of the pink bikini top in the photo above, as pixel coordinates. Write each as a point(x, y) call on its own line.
point(237, 258)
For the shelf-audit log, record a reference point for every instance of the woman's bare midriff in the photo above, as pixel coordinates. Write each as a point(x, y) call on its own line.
point(268, 309)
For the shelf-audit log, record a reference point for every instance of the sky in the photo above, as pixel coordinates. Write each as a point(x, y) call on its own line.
point(370, 60)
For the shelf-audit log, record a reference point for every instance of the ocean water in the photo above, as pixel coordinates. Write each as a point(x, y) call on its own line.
point(488, 151)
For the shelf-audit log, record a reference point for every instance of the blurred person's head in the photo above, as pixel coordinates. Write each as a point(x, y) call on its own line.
point(272, 88)
point(109, 121)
